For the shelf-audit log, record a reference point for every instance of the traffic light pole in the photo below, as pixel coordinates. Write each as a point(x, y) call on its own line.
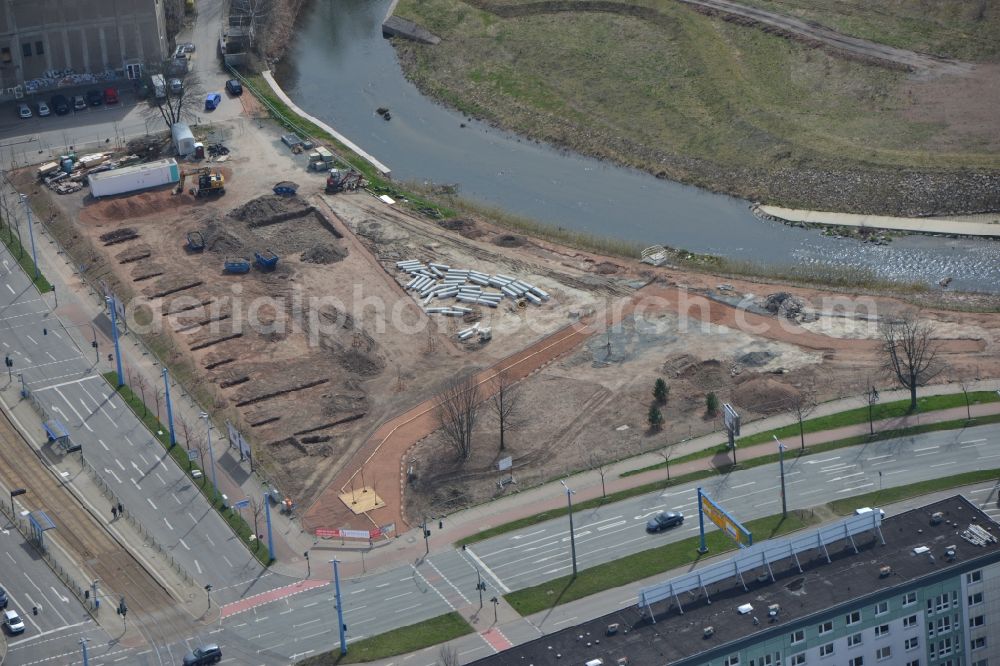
point(340, 607)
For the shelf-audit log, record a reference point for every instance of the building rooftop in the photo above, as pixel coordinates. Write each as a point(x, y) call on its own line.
point(821, 585)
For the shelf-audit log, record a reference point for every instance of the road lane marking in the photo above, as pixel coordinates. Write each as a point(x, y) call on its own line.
point(428, 584)
point(101, 442)
point(814, 462)
point(11, 289)
point(119, 462)
point(744, 485)
point(168, 523)
point(570, 619)
point(525, 536)
point(83, 420)
point(973, 441)
point(952, 462)
point(927, 448)
point(198, 567)
point(608, 527)
point(181, 540)
point(852, 489)
point(151, 504)
point(488, 571)
point(59, 386)
point(888, 455)
point(51, 356)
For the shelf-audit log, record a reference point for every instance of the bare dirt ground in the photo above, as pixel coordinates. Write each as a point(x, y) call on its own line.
point(317, 384)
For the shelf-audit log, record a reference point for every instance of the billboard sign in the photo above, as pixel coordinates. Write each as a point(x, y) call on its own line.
point(731, 419)
point(505, 463)
point(723, 521)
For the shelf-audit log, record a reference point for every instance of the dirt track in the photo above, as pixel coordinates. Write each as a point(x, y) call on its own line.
point(852, 47)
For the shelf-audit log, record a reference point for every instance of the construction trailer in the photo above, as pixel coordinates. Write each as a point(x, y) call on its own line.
point(134, 178)
point(183, 138)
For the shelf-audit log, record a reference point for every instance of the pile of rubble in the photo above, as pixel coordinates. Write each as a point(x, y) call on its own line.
point(56, 178)
point(465, 285)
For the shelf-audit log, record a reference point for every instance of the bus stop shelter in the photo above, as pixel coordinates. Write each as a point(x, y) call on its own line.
point(57, 432)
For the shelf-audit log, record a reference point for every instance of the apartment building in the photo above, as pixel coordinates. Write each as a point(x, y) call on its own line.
point(46, 44)
point(918, 589)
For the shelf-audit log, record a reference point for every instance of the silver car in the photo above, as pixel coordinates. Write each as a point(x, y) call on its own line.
point(24, 110)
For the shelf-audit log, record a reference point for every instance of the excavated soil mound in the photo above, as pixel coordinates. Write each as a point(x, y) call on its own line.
point(323, 254)
point(707, 375)
point(764, 395)
point(221, 241)
point(129, 206)
point(605, 268)
point(361, 363)
point(271, 209)
point(509, 240)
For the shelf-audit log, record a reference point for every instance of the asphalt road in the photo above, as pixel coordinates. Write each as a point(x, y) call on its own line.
point(303, 622)
point(138, 470)
point(536, 554)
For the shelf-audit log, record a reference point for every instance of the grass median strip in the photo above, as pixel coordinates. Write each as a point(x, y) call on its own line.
point(23, 257)
point(646, 563)
point(664, 558)
point(398, 641)
point(180, 456)
point(790, 432)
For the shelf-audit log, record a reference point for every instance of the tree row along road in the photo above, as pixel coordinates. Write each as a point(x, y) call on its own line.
point(150, 606)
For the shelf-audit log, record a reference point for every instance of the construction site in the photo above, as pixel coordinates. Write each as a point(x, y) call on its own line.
point(323, 324)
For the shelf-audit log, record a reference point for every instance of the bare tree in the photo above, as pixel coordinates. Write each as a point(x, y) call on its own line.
point(457, 412)
point(142, 385)
point(175, 107)
point(256, 507)
point(601, 467)
point(185, 429)
point(964, 380)
point(667, 452)
point(802, 405)
point(910, 353)
point(505, 402)
point(158, 397)
point(448, 656)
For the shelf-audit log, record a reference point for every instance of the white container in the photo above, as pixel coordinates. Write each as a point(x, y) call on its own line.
point(183, 139)
point(134, 178)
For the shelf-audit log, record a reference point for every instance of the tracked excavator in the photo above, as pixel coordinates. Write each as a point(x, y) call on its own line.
point(209, 182)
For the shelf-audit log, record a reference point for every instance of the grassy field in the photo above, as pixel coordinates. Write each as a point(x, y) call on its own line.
point(680, 94)
point(11, 239)
point(398, 641)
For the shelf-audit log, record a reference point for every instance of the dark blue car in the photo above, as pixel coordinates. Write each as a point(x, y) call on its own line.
point(212, 100)
point(664, 520)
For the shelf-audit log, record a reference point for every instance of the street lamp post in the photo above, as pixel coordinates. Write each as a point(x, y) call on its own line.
point(267, 515)
point(83, 644)
point(496, 604)
point(480, 585)
point(113, 303)
point(572, 537)
point(208, 592)
point(781, 465)
point(31, 233)
point(211, 454)
point(14, 493)
point(170, 408)
point(340, 607)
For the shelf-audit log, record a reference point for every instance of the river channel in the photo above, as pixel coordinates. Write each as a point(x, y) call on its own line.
point(340, 69)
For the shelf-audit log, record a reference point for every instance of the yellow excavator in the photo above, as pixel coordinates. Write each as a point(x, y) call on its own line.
point(209, 182)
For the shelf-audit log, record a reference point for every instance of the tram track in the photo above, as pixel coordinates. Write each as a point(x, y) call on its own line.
point(151, 607)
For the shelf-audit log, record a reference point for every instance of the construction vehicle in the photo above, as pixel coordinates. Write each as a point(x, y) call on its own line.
point(195, 241)
point(209, 182)
point(266, 261)
point(236, 265)
point(343, 181)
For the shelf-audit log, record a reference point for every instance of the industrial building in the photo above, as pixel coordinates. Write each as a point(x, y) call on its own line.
point(921, 588)
point(46, 44)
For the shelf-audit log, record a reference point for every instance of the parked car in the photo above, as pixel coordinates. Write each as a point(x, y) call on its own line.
point(43, 109)
point(3, 598)
point(867, 509)
point(234, 87)
point(24, 110)
point(176, 86)
point(60, 104)
point(212, 101)
point(187, 47)
point(664, 520)
point(13, 622)
point(79, 103)
point(206, 654)
point(95, 97)
point(111, 95)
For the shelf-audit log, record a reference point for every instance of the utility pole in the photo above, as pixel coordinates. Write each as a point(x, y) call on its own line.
point(31, 233)
point(781, 465)
point(308, 565)
point(83, 644)
point(496, 604)
point(208, 591)
point(572, 536)
point(267, 515)
point(113, 303)
point(480, 585)
point(340, 607)
point(427, 536)
point(170, 409)
point(211, 455)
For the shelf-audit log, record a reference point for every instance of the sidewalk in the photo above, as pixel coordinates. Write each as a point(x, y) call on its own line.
point(587, 485)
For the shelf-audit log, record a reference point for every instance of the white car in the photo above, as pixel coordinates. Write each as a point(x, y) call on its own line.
point(867, 509)
point(43, 109)
point(24, 110)
point(13, 622)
